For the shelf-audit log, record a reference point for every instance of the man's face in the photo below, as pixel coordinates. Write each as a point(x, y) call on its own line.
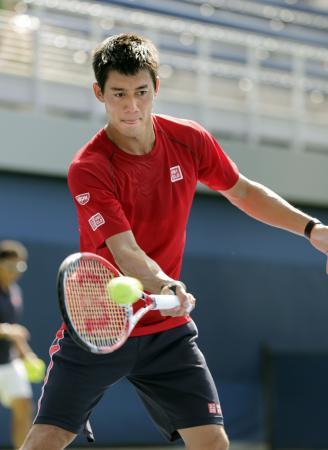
point(128, 101)
point(10, 270)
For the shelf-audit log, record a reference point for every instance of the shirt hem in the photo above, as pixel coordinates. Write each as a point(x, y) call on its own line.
point(158, 327)
point(152, 328)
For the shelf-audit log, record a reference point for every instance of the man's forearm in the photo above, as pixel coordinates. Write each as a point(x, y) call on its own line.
point(18, 336)
point(136, 263)
point(265, 205)
point(4, 330)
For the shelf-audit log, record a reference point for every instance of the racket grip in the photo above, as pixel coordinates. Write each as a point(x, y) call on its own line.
point(167, 302)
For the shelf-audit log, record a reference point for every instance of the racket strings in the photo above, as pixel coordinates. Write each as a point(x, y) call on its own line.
point(96, 318)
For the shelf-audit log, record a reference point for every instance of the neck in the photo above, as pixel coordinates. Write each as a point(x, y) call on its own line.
point(134, 145)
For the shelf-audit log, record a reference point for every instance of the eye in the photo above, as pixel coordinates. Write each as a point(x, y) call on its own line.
point(118, 94)
point(141, 93)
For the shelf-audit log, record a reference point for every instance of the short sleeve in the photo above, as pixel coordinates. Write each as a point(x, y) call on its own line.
point(216, 170)
point(100, 214)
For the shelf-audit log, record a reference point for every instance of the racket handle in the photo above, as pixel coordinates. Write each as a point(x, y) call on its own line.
point(167, 302)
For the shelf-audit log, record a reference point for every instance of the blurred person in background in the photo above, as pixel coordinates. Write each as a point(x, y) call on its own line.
point(133, 185)
point(8, 5)
point(18, 364)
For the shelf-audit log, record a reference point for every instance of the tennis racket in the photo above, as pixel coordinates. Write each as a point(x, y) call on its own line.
point(94, 321)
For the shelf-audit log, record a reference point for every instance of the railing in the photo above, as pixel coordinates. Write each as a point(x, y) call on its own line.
point(239, 84)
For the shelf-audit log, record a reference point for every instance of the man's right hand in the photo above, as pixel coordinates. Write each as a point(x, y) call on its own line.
point(185, 298)
point(14, 332)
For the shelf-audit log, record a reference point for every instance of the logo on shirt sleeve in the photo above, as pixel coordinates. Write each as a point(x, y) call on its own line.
point(96, 221)
point(176, 174)
point(83, 198)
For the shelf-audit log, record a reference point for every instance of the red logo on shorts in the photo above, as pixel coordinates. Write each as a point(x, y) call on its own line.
point(214, 408)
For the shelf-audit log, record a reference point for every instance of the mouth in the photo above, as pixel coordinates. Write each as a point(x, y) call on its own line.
point(131, 121)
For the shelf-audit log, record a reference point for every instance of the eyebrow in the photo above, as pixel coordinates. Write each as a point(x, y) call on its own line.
point(136, 89)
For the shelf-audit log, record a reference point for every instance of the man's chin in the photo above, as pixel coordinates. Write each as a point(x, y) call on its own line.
point(131, 131)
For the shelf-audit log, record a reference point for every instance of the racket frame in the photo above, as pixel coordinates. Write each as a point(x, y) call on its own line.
point(151, 302)
point(62, 274)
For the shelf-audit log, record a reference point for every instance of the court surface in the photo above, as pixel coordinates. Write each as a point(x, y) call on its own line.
point(233, 446)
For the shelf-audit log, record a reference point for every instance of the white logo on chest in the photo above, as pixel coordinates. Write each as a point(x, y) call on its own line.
point(176, 174)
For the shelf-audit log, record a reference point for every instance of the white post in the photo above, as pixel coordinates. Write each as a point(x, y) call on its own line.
point(298, 104)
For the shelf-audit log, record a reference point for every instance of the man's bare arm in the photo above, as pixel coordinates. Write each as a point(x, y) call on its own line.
point(263, 204)
point(133, 261)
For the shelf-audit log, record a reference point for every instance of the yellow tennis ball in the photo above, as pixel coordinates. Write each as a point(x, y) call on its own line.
point(124, 290)
point(35, 369)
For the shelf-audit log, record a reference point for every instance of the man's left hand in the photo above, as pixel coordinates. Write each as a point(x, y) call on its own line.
point(319, 240)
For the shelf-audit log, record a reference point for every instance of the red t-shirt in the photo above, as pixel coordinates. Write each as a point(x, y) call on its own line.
point(149, 194)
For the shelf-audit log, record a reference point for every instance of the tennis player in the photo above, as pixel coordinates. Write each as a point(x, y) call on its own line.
point(133, 185)
point(15, 389)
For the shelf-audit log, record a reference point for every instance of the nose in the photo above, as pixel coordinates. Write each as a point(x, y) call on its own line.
point(131, 104)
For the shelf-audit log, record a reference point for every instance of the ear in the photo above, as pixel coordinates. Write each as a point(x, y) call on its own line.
point(156, 86)
point(98, 93)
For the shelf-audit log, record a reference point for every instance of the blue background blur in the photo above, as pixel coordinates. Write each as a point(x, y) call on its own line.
point(256, 286)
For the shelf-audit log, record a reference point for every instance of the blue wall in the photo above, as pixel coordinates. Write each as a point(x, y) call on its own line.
point(255, 286)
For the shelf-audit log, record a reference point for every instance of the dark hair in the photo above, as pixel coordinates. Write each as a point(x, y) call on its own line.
point(127, 54)
point(12, 249)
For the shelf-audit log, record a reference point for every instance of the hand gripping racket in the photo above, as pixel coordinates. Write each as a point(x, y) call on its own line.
point(94, 321)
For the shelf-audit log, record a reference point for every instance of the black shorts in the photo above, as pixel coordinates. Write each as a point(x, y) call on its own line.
point(167, 369)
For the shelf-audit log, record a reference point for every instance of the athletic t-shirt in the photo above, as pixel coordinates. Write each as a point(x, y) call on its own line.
point(10, 312)
point(150, 194)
